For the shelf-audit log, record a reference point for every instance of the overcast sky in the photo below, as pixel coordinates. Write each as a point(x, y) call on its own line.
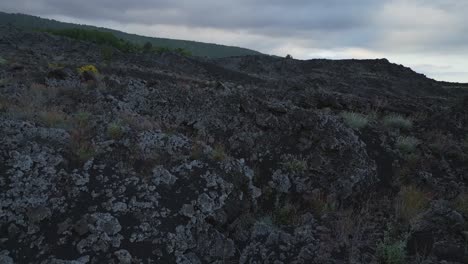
point(431, 36)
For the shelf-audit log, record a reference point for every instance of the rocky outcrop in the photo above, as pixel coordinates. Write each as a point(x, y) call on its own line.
point(168, 159)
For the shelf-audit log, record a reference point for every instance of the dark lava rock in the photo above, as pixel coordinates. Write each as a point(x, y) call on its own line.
point(257, 159)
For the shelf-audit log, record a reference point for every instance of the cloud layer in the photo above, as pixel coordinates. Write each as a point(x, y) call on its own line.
point(428, 35)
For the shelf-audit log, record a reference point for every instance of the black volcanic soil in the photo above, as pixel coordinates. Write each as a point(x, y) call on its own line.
point(257, 159)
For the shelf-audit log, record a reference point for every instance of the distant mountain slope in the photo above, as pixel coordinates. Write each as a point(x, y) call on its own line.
point(196, 48)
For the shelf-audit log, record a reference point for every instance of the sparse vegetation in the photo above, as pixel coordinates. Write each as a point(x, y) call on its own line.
point(391, 251)
point(355, 120)
point(3, 61)
point(55, 66)
point(53, 118)
point(410, 202)
point(88, 68)
point(285, 215)
point(295, 165)
point(96, 36)
point(219, 153)
point(81, 136)
point(397, 121)
point(107, 53)
point(115, 131)
point(108, 39)
point(461, 204)
point(406, 144)
point(82, 119)
point(85, 152)
point(320, 203)
point(197, 151)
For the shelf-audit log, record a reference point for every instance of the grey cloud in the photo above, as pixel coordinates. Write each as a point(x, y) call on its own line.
point(263, 17)
point(405, 27)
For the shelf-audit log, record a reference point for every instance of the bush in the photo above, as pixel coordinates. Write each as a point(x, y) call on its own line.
point(295, 165)
point(114, 131)
point(110, 40)
point(88, 68)
point(82, 119)
point(410, 202)
point(107, 53)
point(354, 120)
point(391, 251)
point(53, 118)
point(397, 121)
point(461, 204)
point(95, 36)
point(85, 152)
point(218, 153)
point(406, 144)
point(147, 47)
point(285, 215)
point(3, 61)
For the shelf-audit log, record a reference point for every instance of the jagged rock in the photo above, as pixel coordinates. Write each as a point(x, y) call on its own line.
point(123, 256)
point(232, 160)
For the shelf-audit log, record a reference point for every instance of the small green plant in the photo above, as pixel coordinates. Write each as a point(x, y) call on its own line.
point(397, 121)
point(295, 165)
point(114, 131)
point(285, 215)
point(219, 153)
point(88, 68)
point(321, 204)
point(53, 118)
point(407, 144)
point(82, 119)
point(85, 152)
point(391, 251)
point(4, 81)
point(55, 66)
point(465, 144)
point(148, 47)
point(3, 61)
point(355, 120)
point(197, 151)
point(411, 202)
point(107, 54)
point(461, 204)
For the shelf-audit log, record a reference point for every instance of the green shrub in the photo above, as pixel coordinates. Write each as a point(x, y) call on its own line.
point(397, 121)
point(3, 61)
point(355, 120)
point(53, 118)
point(461, 203)
point(391, 251)
point(410, 202)
point(115, 131)
point(295, 165)
point(108, 39)
point(107, 53)
point(285, 215)
point(406, 144)
point(82, 119)
point(218, 153)
point(95, 36)
point(465, 143)
point(85, 152)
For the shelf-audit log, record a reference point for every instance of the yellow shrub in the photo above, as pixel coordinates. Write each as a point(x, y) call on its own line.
point(88, 68)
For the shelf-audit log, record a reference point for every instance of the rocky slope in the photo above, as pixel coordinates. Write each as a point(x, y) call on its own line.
point(168, 159)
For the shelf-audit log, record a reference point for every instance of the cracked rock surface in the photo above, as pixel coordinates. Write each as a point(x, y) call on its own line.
point(171, 159)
